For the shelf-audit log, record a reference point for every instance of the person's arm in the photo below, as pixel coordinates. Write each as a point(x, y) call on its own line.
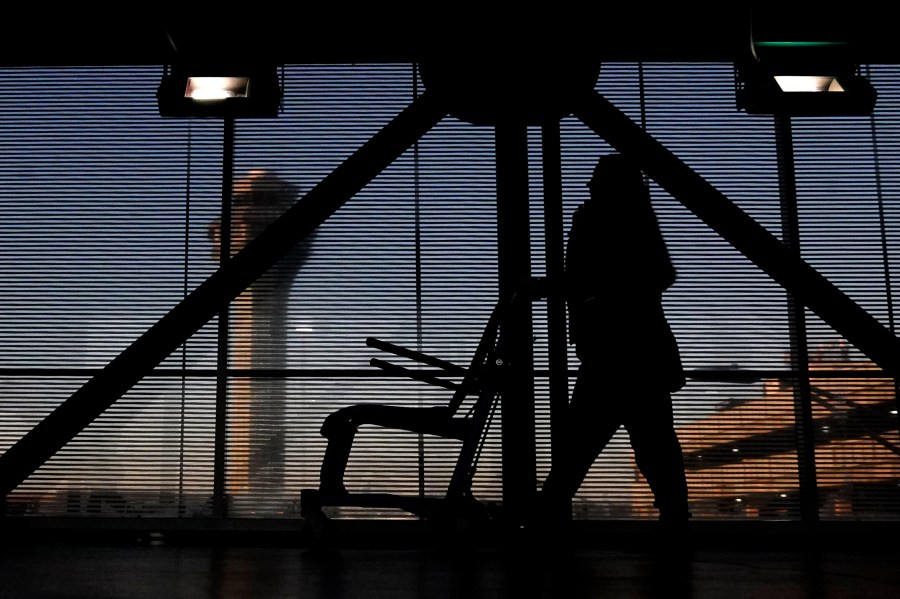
point(659, 272)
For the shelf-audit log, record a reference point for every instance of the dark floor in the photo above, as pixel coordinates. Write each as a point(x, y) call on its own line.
point(381, 561)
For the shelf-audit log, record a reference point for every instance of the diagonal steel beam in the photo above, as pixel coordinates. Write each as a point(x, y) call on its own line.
point(236, 275)
point(806, 284)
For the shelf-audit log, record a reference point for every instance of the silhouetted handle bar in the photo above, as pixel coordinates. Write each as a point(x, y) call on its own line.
point(419, 376)
point(414, 355)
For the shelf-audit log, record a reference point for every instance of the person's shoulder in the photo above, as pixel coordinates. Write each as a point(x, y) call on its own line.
point(583, 222)
point(584, 211)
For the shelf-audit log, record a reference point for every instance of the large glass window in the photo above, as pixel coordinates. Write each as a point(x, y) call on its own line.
point(111, 216)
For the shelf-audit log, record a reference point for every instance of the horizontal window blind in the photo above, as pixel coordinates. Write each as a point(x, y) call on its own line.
point(410, 260)
point(111, 216)
point(848, 222)
point(103, 208)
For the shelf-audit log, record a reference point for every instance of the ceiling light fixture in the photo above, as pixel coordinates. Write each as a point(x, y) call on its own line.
point(798, 76)
point(228, 91)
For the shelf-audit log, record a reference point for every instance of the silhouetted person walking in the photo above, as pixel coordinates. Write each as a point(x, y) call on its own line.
point(617, 267)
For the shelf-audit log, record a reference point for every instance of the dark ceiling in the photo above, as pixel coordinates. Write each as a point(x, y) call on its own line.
point(340, 35)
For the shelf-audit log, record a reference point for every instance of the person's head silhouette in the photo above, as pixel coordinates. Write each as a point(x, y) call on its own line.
point(615, 173)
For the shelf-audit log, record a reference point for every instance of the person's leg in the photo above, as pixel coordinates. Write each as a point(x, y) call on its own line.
point(591, 421)
point(658, 454)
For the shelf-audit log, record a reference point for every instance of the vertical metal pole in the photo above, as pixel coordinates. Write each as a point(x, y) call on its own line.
point(186, 267)
point(514, 265)
point(220, 500)
point(799, 352)
point(418, 244)
point(557, 331)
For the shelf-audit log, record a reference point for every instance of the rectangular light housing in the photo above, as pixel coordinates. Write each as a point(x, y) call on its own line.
point(220, 91)
point(216, 88)
point(808, 83)
point(763, 91)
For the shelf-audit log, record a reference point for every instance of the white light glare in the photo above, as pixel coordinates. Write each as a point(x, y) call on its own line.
point(216, 88)
point(799, 83)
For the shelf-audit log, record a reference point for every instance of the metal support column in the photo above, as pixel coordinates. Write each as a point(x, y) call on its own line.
point(514, 265)
point(557, 331)
point(219, 499)
point(790, 228)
